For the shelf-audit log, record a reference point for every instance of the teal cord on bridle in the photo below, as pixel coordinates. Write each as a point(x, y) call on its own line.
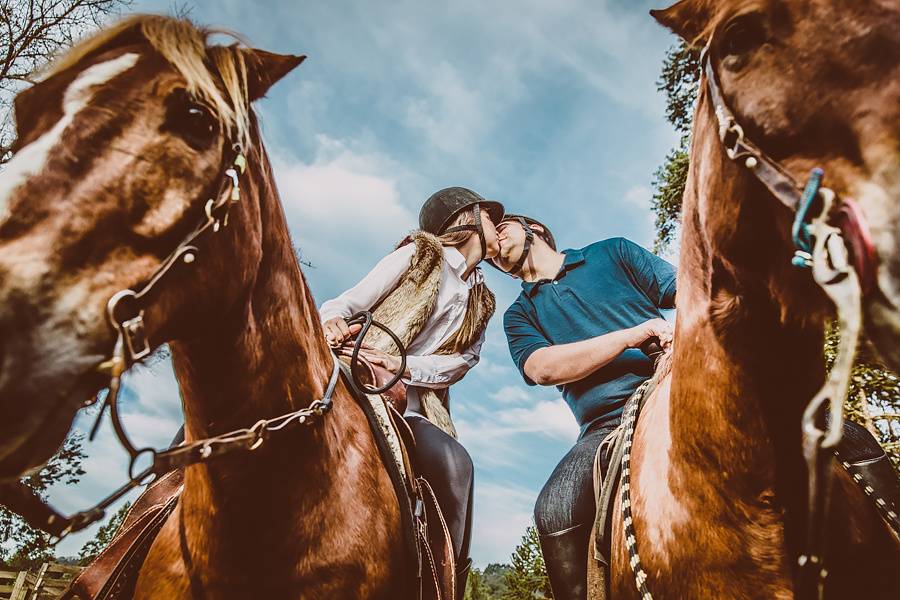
point(800, 231)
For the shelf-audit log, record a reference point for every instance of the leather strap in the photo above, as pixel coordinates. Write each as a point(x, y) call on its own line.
point(526, 248)
point(477, 227)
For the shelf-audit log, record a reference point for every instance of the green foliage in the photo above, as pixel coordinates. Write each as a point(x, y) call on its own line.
point(527, 578)
point(678, 81)
point(668, 185)
point(104, 536)
point(874, 396)
point(489, 584)
point(22, 546)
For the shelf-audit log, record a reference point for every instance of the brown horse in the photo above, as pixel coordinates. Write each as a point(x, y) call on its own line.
point(718, 484)
point(119, 147)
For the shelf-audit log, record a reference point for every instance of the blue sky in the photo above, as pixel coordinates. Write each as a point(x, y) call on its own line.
point(547, 106)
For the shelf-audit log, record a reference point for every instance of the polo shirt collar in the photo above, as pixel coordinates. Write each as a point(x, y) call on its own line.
point(572, 259)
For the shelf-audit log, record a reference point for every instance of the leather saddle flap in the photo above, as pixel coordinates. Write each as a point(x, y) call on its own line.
point(437, 548)
point(112, 575)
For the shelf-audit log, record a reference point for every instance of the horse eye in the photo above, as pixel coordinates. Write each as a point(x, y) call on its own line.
point(190, 120)
point(744, 34)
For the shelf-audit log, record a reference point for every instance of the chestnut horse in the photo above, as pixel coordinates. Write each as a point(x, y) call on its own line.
point(119, 148)
point(718, 483)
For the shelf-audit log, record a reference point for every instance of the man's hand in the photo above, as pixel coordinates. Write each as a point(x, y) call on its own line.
point(337, 331)
point(659, 328)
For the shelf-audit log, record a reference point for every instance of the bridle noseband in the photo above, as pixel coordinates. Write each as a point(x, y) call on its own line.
point(830, 237)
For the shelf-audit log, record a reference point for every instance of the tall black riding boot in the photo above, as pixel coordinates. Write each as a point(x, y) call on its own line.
point(462, 575)
point(869, 465)
point(565, 554)
point(879, 474)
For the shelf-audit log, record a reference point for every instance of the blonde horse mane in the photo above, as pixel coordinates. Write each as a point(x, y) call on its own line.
point(216, 75)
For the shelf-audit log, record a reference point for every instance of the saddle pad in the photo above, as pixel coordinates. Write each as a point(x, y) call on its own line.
point(607, 469)
point(396, 472)
point(386, 428)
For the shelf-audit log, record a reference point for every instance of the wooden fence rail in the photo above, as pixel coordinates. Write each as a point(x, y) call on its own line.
point(46, 583)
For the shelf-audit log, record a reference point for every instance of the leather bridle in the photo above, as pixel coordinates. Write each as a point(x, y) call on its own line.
point(832, 238)
point(125, 312)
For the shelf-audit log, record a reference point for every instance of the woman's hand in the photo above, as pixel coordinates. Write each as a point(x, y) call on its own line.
point(337, 331)
point(382, 359)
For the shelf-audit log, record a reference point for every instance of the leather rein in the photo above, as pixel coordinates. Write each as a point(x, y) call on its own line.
point(125, 312)
point(832, 238)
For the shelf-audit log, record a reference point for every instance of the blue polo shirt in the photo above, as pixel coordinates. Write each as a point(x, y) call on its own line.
point(610, 285)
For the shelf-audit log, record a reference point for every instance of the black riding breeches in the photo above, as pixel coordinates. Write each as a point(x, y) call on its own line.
point(567, 499)
point(447, 466)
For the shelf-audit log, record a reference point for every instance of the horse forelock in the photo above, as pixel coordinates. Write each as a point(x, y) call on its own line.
point(214, 74)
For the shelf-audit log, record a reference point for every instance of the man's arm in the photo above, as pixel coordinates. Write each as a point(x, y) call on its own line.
point(653, 275)
point(565, 363)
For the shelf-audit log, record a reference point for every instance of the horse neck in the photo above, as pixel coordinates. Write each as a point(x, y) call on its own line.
point(745, 364)
point(266, 359)
point(267, 356)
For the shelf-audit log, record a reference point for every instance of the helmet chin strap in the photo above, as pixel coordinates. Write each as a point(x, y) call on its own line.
point(477, 228)
point(526, 249)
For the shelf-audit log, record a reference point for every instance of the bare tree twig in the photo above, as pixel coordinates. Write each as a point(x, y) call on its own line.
point(32, 32)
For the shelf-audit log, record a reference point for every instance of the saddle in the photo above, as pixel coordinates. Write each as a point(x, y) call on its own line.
point(113, 574)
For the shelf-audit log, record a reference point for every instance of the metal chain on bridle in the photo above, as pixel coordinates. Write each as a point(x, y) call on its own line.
point(824, 228)
point(125, 312)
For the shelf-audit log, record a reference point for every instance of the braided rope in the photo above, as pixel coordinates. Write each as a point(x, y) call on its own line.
point(634, 559)
point(887, 511)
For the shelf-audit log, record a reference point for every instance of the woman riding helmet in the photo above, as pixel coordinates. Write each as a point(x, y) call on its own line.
point(431, 294)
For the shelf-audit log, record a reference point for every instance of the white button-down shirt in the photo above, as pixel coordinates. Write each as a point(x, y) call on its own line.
point(426, 368)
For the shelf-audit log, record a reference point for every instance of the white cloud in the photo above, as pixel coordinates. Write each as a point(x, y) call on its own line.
point(549, 417)
point(500, 438)
point(343, 208)
point(453, 115)
point(511, 394)
point(639, 197)
point(502, 513)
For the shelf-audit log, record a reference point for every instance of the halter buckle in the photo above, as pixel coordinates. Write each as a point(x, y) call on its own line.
point(136, 337)
point(732, 135)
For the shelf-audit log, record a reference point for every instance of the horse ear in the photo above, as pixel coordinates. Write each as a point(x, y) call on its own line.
point(264, 69)
point(687, 18)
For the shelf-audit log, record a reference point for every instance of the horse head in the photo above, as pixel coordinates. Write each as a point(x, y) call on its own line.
point(813, 83)
point(120, 147)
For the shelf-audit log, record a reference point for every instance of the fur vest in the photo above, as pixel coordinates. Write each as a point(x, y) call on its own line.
point(406, 309)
